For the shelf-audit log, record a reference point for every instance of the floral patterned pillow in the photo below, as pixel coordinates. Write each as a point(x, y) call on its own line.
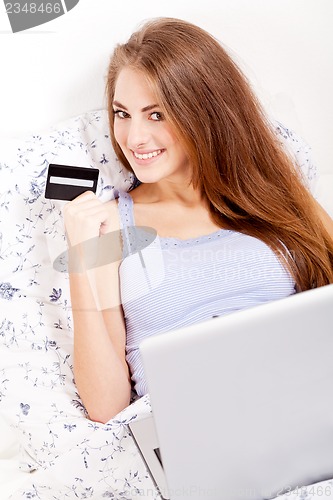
point(36, 379)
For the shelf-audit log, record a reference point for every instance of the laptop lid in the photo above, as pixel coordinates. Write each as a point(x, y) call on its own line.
point(243, 403)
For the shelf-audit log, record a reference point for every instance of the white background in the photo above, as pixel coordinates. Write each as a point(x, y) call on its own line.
point(57, 70)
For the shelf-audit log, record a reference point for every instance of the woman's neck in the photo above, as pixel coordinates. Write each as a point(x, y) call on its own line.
point(164, 191)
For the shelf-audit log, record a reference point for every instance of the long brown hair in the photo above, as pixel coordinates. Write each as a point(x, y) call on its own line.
point(251, 184)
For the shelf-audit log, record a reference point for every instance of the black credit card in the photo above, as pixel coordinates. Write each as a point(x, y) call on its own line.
point(66, 183)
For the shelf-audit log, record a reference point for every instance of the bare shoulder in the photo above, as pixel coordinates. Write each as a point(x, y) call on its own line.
point(113, 223)
point(112, 206)
point(139, 194)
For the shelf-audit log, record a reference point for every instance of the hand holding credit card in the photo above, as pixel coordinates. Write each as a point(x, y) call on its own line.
point(65, 182)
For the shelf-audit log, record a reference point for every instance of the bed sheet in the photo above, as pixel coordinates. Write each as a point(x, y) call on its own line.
point(11, 477)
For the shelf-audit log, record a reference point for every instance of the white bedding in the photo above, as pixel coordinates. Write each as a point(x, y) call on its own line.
point(10, 475)
point(38, 399)
point(48, 448)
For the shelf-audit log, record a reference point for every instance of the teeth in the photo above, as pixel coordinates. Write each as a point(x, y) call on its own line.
point(147, 156)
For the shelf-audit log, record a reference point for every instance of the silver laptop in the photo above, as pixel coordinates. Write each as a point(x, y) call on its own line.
point(242, 404)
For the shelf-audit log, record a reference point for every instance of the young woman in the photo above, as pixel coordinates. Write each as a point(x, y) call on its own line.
point(236, 224)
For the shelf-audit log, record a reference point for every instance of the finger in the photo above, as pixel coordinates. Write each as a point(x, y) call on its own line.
point(82, 198)
point(77, 206)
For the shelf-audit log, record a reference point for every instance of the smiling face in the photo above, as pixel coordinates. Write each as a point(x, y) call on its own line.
point(146, 139)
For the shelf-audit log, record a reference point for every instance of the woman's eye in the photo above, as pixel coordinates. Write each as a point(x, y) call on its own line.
point(120, 114)
point(156, 116)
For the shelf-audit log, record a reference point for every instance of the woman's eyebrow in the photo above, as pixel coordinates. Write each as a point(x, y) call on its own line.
point(146, 108)
point(119, 105)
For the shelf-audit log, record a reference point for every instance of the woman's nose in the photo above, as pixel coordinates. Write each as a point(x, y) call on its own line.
point(138, 134)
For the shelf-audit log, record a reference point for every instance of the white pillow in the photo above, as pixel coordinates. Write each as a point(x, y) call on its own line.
point(36, 383)
point(300, 151)
point(68, 455)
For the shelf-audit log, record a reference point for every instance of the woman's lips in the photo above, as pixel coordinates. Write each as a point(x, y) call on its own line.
point(144, 157)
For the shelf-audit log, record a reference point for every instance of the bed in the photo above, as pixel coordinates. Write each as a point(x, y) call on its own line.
point(48, 448)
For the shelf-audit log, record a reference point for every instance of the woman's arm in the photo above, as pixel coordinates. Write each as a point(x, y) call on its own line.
point(100, 368)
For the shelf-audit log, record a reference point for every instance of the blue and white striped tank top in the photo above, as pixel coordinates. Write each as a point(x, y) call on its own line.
point(175, 283)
